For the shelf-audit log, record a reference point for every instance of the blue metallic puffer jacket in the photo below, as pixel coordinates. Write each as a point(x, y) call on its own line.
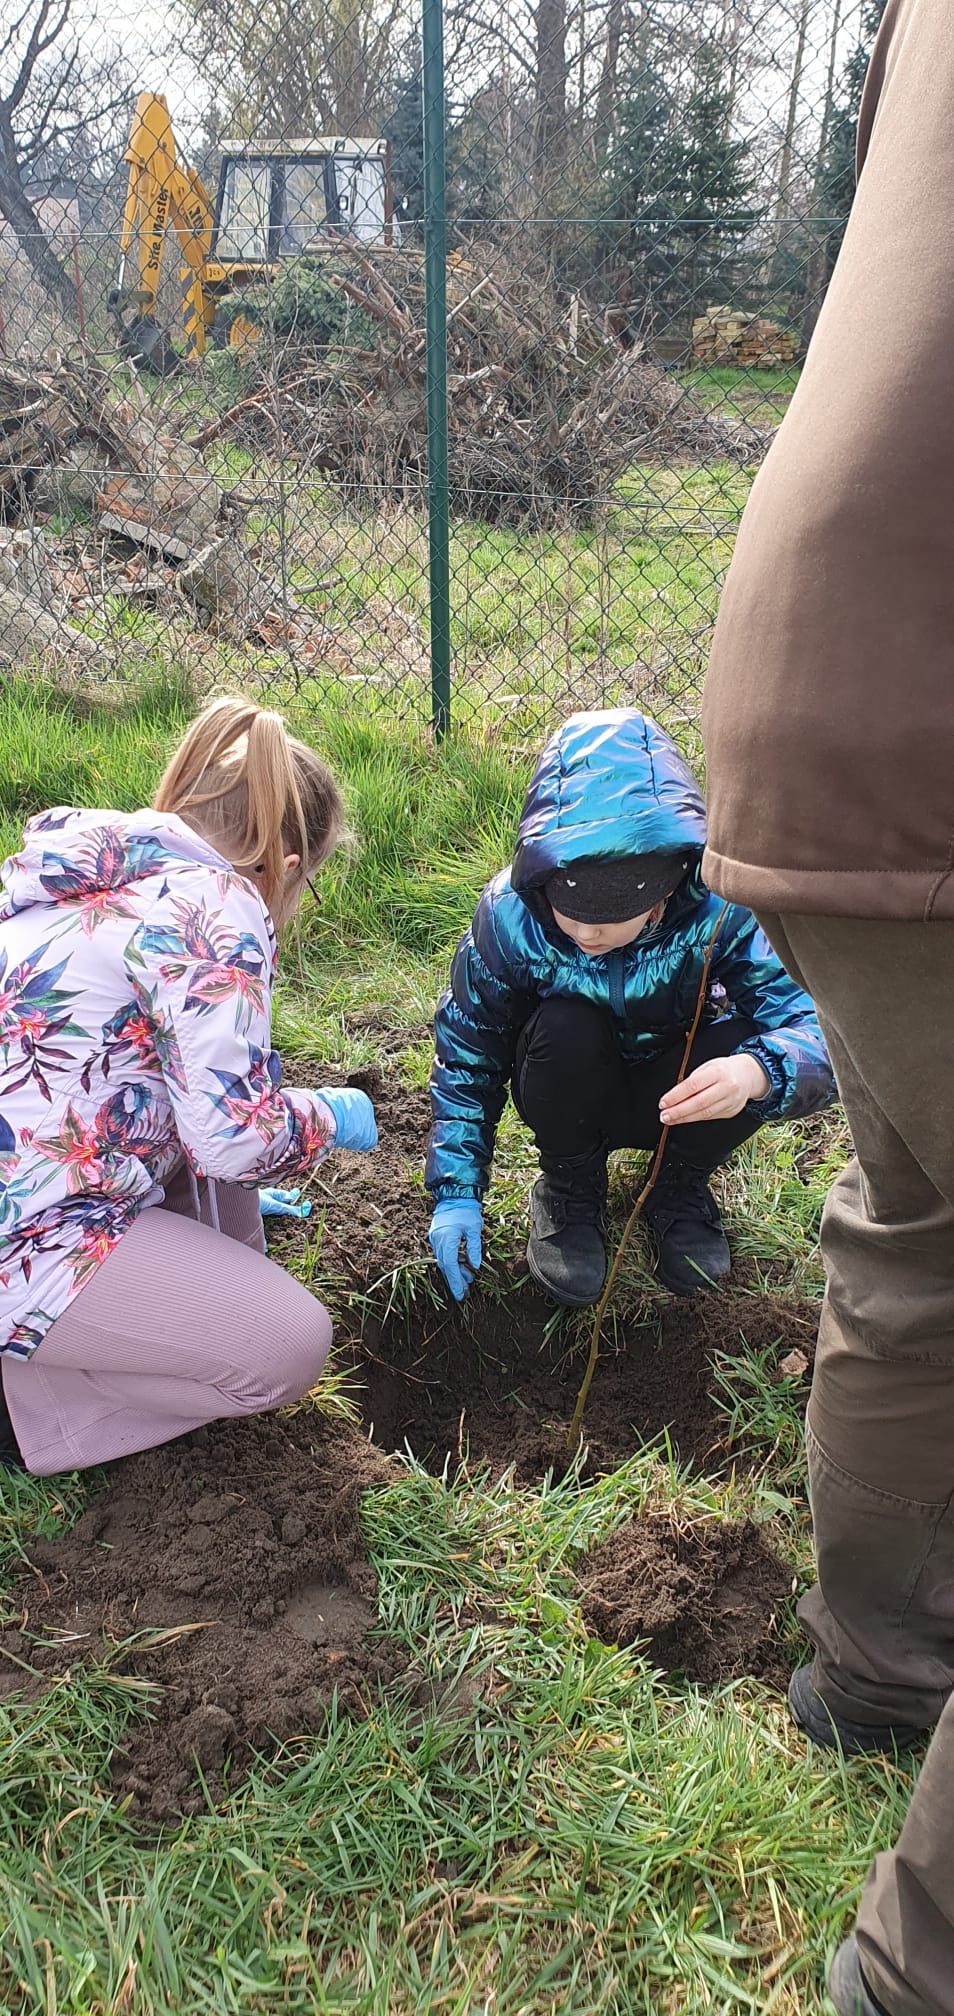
point(607, 785)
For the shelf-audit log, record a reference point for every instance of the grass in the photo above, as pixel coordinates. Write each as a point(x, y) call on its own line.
point(601, 614)
point(619, 610)
point(759, 396)
point(587, 1837)
point(586, 1840)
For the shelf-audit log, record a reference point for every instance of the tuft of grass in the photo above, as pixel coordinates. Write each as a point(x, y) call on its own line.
point(57, 748)
point(774, 1191)
point(764, 1413)
point(33, 1508)
point(431, 825)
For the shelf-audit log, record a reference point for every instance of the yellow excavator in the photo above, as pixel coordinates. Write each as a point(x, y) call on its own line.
point(275, 202)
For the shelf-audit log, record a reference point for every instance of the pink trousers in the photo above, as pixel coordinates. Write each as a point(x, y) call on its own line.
point(182, 1324)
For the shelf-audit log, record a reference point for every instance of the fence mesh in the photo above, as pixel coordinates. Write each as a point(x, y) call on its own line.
point(214, 234)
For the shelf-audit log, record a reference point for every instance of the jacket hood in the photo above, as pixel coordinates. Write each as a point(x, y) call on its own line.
point(68, 855)
point(607, 785)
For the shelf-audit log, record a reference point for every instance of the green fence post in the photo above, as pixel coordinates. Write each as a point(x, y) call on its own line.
point(435, 276)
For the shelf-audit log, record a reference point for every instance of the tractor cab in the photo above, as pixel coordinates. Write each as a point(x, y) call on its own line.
point(282, 201)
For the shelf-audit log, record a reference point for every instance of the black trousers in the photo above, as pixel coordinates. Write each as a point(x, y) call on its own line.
point(579, 1095)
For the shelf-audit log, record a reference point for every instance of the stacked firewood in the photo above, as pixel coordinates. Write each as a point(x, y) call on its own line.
point(727, 336)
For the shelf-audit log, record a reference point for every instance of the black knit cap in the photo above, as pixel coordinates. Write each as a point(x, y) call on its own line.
point(610, 892)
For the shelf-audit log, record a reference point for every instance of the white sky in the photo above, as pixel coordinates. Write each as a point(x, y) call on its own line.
point(153, 38)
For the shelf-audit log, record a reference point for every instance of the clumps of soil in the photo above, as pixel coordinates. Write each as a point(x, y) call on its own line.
point(236, 1555)
point(373, 1209)
point(485, 1383)
point(700, 1599)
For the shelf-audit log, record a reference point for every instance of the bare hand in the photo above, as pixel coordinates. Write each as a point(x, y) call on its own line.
point(715, 1091)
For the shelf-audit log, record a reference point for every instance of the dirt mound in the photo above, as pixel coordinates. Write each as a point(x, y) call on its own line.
point(701, 1597)
point(234, 1560)
point(487, 1381)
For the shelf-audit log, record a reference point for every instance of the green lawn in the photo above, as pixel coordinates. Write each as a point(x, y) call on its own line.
point(591, 1837)
point(619, 611)
point(759, 396)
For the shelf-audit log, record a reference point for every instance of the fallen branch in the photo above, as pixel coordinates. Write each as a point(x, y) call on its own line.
point(259, 397)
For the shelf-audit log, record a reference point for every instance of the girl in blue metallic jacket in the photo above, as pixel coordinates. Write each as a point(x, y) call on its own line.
point(575, 987)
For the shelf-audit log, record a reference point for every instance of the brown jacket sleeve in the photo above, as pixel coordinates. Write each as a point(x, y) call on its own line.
point(829, 705)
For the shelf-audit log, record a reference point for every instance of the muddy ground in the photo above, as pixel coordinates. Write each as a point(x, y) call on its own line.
point(234, 1558)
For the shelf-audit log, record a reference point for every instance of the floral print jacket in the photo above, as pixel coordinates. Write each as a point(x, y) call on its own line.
point(136, 972)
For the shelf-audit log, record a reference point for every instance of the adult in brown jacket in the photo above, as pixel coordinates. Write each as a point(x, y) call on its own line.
point(829, 725)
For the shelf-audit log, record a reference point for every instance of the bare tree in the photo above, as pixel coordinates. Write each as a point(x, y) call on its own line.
point(550, 128)
point(817, 268)
point(609, 78)
point(295, 67)
point(51, 100)
point(787, 156)
point(824, 129)
point(16, 145)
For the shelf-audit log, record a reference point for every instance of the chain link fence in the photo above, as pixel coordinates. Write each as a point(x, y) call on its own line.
point(322, 375)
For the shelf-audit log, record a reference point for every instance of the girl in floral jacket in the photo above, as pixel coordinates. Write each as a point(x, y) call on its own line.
point(141, 1103)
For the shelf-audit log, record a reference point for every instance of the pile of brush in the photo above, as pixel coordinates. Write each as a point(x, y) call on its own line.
point(546, 410)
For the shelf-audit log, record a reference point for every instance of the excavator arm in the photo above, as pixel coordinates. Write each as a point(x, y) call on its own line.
point(162, 197)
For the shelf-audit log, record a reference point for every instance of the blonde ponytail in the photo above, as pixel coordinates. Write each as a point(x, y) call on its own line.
point(256, 792)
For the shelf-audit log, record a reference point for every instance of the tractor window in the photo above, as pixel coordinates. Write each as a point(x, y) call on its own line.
point(360, 182)
point(305, 210)
point(244, 217)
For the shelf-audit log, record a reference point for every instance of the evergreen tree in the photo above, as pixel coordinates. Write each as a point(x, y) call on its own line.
point(637, 207)
point(473, 169)
point(837, 184)
point(677, 188)
point(708, 183)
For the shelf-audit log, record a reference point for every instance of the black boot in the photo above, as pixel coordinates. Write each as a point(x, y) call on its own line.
point(565, 1252)
point(847, 1987)
point(834, 1732)
point(692, 1252)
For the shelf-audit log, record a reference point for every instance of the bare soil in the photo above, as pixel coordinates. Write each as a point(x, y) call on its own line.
point(484, 1380)
point(483, 1383)
point(229, 1566)
point(700, 1598)
point(373, 1208)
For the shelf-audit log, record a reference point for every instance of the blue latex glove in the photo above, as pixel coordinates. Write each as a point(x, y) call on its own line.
point(355, 1125)
point(283, 1204)
point(458, 1218)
